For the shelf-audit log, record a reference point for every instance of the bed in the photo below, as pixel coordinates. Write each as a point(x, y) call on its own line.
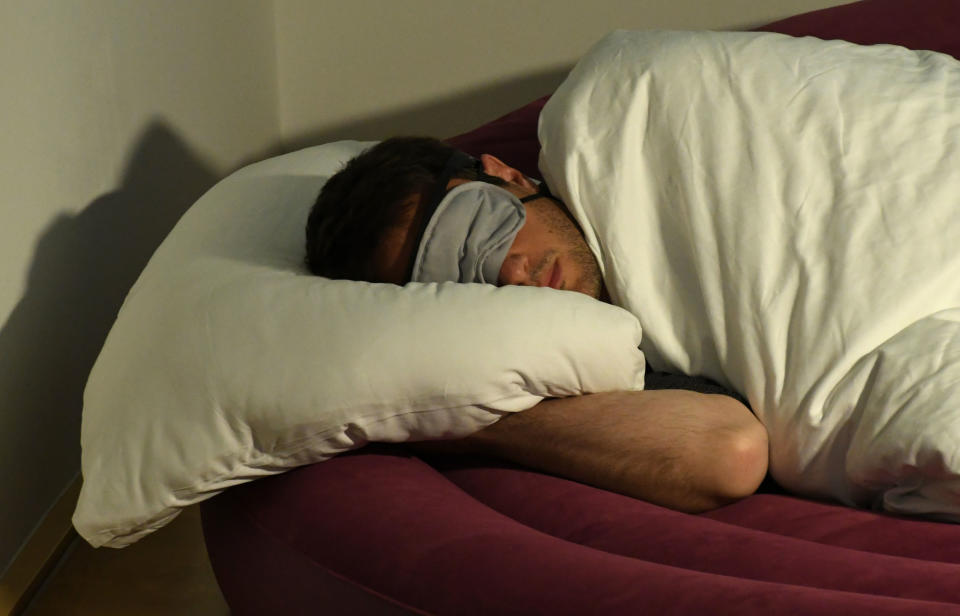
point(384, 531)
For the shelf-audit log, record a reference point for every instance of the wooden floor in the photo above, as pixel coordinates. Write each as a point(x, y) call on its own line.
point(165, 573)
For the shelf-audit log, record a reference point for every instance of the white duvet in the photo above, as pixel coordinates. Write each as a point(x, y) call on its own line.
point(783, 216)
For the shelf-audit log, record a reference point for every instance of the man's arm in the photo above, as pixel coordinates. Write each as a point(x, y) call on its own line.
point(680, 449)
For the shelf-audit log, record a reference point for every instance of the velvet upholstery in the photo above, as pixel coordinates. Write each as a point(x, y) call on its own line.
point(381, 531)
point(917, 24)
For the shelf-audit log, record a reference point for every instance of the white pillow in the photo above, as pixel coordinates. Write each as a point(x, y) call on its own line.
point(229, 361)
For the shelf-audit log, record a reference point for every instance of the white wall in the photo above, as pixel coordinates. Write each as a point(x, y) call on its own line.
point(372, 68)
point(115, 116)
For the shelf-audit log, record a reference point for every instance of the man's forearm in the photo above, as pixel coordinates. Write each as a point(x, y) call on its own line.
point(684, 450)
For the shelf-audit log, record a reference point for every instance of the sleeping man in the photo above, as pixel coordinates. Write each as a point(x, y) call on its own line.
point(780, 214)
point(686, 450)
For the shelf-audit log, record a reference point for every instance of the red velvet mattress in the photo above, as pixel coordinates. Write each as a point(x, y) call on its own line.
point(381, 531)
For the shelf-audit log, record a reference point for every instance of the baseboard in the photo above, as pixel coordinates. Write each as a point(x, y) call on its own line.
point(40, 554)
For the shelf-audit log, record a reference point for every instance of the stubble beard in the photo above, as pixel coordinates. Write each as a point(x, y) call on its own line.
point(560, 223)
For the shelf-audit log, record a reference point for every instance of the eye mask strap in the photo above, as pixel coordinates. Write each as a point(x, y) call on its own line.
point(543, 191)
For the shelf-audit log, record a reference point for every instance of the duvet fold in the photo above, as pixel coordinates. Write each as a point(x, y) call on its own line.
point(783, 216)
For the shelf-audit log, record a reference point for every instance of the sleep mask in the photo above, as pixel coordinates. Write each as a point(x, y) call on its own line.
point(468, 230)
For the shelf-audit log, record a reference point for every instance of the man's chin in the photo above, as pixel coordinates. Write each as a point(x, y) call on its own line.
point(596, 291)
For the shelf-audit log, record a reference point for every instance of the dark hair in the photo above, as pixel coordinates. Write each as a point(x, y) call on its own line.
point(368, 197)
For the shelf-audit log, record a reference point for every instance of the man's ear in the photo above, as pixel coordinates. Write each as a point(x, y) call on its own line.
point(496, 167)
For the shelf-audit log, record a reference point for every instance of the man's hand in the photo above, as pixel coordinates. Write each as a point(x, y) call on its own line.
point(676, 448)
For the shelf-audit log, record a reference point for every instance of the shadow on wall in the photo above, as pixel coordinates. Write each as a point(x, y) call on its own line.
point(83, 266)
point(441, 118)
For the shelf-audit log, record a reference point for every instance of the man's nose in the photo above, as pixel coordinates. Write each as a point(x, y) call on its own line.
point(515, 270)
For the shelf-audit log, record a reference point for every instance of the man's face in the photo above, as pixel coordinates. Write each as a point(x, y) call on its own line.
point(548, 251)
